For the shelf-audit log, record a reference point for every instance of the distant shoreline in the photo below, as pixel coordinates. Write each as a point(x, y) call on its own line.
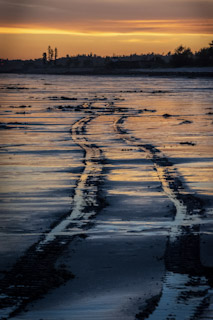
point(171, 72)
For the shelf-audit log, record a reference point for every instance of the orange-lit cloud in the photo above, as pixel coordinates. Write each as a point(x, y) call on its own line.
point(118, 27)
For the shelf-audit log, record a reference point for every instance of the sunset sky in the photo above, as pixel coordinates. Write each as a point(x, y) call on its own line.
point(104, 27)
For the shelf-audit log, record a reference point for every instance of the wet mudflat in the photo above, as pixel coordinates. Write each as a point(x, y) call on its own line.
point(106, 198)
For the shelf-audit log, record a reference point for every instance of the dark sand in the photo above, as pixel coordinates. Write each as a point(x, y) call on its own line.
point(135, 244)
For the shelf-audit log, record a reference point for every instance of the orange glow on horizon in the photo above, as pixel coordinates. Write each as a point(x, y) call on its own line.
point(91, 33)
point(104, 38)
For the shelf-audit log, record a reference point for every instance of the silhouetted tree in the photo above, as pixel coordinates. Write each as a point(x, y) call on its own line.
point(182, 57)
point(204, 57)
point(44, 57)
point(49, 53)
point(56, 53)
point(179, 50)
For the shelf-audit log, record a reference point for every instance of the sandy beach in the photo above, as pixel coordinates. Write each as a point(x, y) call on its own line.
point(106, 198)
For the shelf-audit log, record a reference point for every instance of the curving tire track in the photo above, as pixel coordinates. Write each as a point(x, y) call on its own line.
point(187, 285)
point(85, 201)
point(187, 206)
point(34, 274)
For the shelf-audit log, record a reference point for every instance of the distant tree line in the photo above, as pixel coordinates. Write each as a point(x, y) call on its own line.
point(182, 56)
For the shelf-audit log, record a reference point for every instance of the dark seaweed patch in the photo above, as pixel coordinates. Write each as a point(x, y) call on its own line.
point(21, 106)
point(62, 98)
point(4, 126)
point(131, 91)
point(17, 88)
point(166, 115)
point(186, 122)
point(159, 91)
point(188, 143)
point(148, 110)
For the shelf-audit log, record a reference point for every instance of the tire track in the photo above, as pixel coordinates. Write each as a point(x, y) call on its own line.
point(187, 285)
point(187, 206)
point(85, 201)
point(34, 274)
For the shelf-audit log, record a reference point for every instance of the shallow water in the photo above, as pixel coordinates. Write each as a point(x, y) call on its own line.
point(45, 176)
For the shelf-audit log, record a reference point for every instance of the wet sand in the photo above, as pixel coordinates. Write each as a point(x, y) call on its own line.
point(127, 166)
